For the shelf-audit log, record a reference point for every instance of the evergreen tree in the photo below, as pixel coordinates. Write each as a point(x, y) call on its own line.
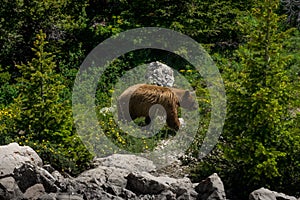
point(259, 144)
point(46, 119)
point(40, 87)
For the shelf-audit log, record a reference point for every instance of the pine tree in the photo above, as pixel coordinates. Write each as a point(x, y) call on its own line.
point(40, 87)
point(45, 119)
point(258, 142)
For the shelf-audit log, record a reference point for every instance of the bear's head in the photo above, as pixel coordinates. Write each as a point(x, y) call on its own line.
point(187, 100)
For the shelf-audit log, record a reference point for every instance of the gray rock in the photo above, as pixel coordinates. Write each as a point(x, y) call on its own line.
point(265, 194)
point(160, 74)
point(145, 183)
point(182, 186)
point(147, 197)
point(190, 195)
point(28, 175)
point(13, 155)
point(211, 188)
point(167, 195)
point(57, 176)
point(101, 175)
point(49, 168)
point(116, 177)
point(119, 191)
point(66, 196)
point(131, 163)
point(25, 176)
point(47, 180)
point(98, 193)
point(9, 189)
point(50, 196)
point(34, 192)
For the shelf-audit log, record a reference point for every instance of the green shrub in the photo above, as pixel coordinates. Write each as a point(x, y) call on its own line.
point(260, 142)
point(38, 117)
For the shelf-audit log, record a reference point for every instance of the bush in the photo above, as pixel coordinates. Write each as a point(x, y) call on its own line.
point(259, 145)
point(38, 117)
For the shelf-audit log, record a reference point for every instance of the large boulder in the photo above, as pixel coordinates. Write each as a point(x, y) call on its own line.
point(266, 194)
point(160, 74)
point(13, 156)
point(9, 189)
point(211, 188)
point(102, 175)
point(34, 192)
point(145, 183)
point(131, 163)
point(29, 175)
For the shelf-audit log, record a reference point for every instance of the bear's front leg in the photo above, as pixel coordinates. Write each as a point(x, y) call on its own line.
point(147, 120)
point(173, 121)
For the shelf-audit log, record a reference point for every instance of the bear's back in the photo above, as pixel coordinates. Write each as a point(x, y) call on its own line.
point(146, 96)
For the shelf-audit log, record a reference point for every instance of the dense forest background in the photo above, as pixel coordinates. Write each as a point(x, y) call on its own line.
point(254, 43)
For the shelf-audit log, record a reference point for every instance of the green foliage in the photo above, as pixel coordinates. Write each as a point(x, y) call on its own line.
point(45, 120)
point(21, 20)
point(261, 137)
point(39, 88)
point(258, 147)
point(208, 22)
point(7, 91)
point(123, 139)
point(293, 48)
point(8, 126)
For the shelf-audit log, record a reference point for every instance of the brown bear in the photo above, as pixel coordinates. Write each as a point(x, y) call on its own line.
point(138, 99)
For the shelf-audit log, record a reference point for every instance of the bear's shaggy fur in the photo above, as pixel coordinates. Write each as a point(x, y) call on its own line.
point(138, 99)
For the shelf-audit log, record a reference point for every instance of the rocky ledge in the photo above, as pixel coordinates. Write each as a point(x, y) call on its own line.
point(24, 177)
